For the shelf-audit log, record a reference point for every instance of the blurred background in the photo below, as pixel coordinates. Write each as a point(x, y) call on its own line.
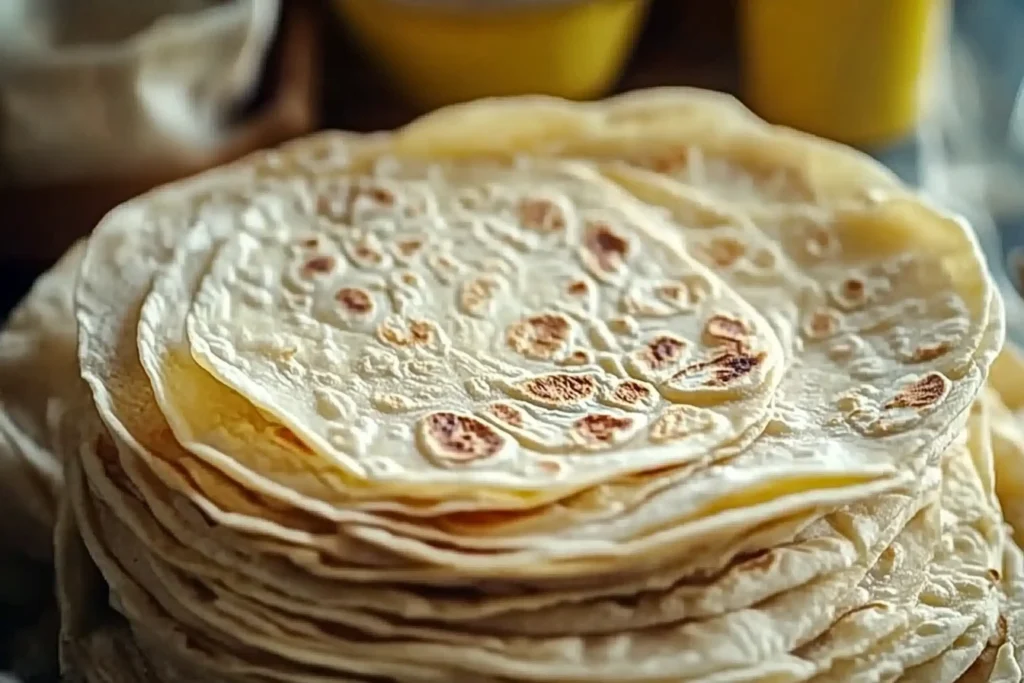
point(103, 99)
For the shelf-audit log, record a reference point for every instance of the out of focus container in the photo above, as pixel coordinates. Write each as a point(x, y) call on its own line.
point(444, 51)
point(856, 71)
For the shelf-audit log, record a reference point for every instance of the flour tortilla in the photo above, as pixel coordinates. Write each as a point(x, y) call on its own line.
point(38, 369)
point(127, 217)
point(183, 590)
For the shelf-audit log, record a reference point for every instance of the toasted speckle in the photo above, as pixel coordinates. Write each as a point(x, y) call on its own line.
point(559, 389)
point(542, 215)
point(822, 324)
point(722, 370)
point(726, 329)
point(664, 351)
point(604, 251)
point(679, 422)
point(320, 264)
point(725, 251)
point(455, 437)
point(541, 337)
point(929, 352)
point(632, 394)
point(923, 393)
point(415, 333)
point(600, 429)
point(355, 301)
point(506, 413)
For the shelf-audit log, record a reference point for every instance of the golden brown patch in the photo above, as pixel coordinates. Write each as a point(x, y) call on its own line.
point(355, 300)
point(541, 215)
point(600, 429)
point(664, 351)
point(477, 294)
point(632, 393)
point(320, 264)
point(724, 251)
point(726, 329)
point(409, 247)
point(724, 368)
point(607, 249)
point(460, 438)
point(924, 393)
point(418, 333)
point(541, 336)
point(560, 388)
point(679, 422)
point(928, 352)
point(506, 413)
point(578, 288)
point(822, 324)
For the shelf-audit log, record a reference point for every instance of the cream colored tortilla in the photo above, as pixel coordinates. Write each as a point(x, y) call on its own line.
point(38, 370)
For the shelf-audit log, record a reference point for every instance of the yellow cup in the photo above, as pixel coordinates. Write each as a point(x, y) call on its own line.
point(856, 71)
point(444, 52)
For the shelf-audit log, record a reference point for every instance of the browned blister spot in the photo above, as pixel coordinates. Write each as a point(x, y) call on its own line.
point(724, 369)
point(381, 195)
point(506, 413)
point(310, 242)
point(578, 288)
point(679, 422)
point(632, 392)
point(355, 300)
point(725, 329)
point(578, 357)
point(460, 438)
point(408, 247)
point(320, 264)
point(851, 293)
point(822, 324)
point(541, 336)
point(417, 333)
point(605, 249)
point(600, 428)
point(477, 295)
point(685, 292)
point(542, 215)
point(724, 251)
point(560, 388)
point(929, 352)
point(924, 393)
point(664, 351)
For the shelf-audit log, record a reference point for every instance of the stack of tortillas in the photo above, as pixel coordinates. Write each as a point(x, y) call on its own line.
point(639, 390)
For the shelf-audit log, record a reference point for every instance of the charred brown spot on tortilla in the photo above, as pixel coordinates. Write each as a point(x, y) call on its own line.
point(320, 264)
point(418, 333)
point(461, 438)
point(822, 324)
point(924, 393)
point(542, 215)
point(477, 294)
point(929, 352)
point(355, 300)
point(408, 247)
point(600, 428)
point(632, 393)
point(578, 288)
point(311, 242)
point(679, 422)
point(724, 251)
point(560, 388)
point(506, 413)
point(541, 337)
point(726, 329)
point(725, 368)
point(607, 249)
point(664, 351)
